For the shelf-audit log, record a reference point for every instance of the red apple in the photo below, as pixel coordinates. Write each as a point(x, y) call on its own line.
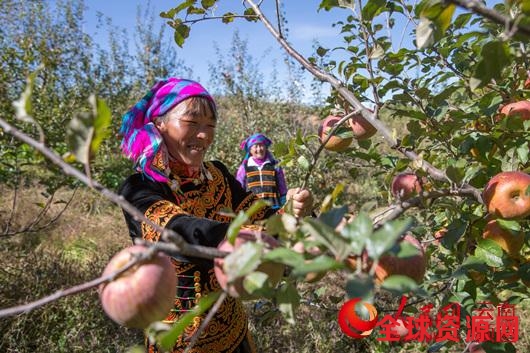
point(235, 289)
point(362, 129)
point(511, 242)
point(335, 142)
point(520, 108)
point(505, 195)
point(406, 185)
point(141, 295)
point(413, 267)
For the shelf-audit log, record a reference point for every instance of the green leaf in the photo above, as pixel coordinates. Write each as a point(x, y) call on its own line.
point(424, 33)
point(206, 4)
point(322, 51)
point(255, 281)
point(386, 237)
point(243, 218)
point(328, 4)
point(326, 236)
point(23, 107)
point(334, 216)
point(357, 231)
point(228, 17)
point(377, 52)
point(288, 301)
point(79, 134)
point(242, 260)
point(168, 339)
point(102, 122)
point(285, 256)
point(183, 5)
point(320, 263)
point(250, 15)
point(361, 286)
point(303, 162)
point(494, 57)
point(182, 32)
point(399, 284)
point(470, 263)
point(372, 8)
point(490, 252)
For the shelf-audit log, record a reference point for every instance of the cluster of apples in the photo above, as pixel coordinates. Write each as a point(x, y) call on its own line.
point(356, 127)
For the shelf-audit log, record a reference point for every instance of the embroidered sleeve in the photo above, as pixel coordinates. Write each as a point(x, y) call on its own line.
point(157, 203)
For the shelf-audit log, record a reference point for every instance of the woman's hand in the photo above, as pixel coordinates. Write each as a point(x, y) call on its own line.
point(302, 201)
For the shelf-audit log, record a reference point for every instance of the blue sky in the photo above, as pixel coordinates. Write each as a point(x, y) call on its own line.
point(305, 26)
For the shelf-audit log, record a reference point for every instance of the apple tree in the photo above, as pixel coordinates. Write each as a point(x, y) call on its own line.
point(454, 75)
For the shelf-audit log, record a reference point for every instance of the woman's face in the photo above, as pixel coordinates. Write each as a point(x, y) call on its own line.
point(258, 150)
point(187, 136)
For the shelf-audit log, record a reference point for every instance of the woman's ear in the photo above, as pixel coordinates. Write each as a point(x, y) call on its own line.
point(161, 125)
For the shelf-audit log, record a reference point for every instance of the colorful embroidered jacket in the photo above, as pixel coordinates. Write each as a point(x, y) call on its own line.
point(264, 179)
point(197, 217)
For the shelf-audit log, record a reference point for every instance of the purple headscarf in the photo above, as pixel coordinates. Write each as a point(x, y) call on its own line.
point(251, 141)
point(141, 139)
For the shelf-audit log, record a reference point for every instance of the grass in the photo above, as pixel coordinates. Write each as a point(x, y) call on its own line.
point(75, 249)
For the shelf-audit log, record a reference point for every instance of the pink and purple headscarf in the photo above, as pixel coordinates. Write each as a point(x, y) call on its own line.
point(141, 139)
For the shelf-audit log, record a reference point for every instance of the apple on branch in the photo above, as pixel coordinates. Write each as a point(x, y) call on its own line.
point(520, 108)
point(338, 142)
point(143, 294)
point(509, 241)
point(362, 129)
point(406, 185)
point(505, 195)
point(413, 266)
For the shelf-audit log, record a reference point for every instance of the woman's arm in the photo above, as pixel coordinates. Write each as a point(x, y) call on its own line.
point(156, 201)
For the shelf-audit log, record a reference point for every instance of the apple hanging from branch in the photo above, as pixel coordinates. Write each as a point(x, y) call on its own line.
point(143, 294)
point(406, 185)
point(505, 195)
point(340, 141)
point(362, 129)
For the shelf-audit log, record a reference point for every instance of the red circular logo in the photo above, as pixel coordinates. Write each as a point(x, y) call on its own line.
point(351, 324)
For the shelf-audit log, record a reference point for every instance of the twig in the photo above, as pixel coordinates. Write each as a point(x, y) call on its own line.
point(206, 321)
point(29, 228)
point(322, 144)
point(138, 258)
point(178, 244)
point(324, 76)
point(478, 8)
point(395, 210)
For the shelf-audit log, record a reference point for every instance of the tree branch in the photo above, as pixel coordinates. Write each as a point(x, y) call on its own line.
point(176, 246)
point(478, 8)
point(339, 86)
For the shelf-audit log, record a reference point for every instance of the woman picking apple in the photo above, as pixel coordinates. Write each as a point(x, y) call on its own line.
point(167, 134)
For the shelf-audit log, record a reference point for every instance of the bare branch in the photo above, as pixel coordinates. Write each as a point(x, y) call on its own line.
point(137, 258)
point(178, 244)
point(512, 26)
point(213, 310)
point(322, 75)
